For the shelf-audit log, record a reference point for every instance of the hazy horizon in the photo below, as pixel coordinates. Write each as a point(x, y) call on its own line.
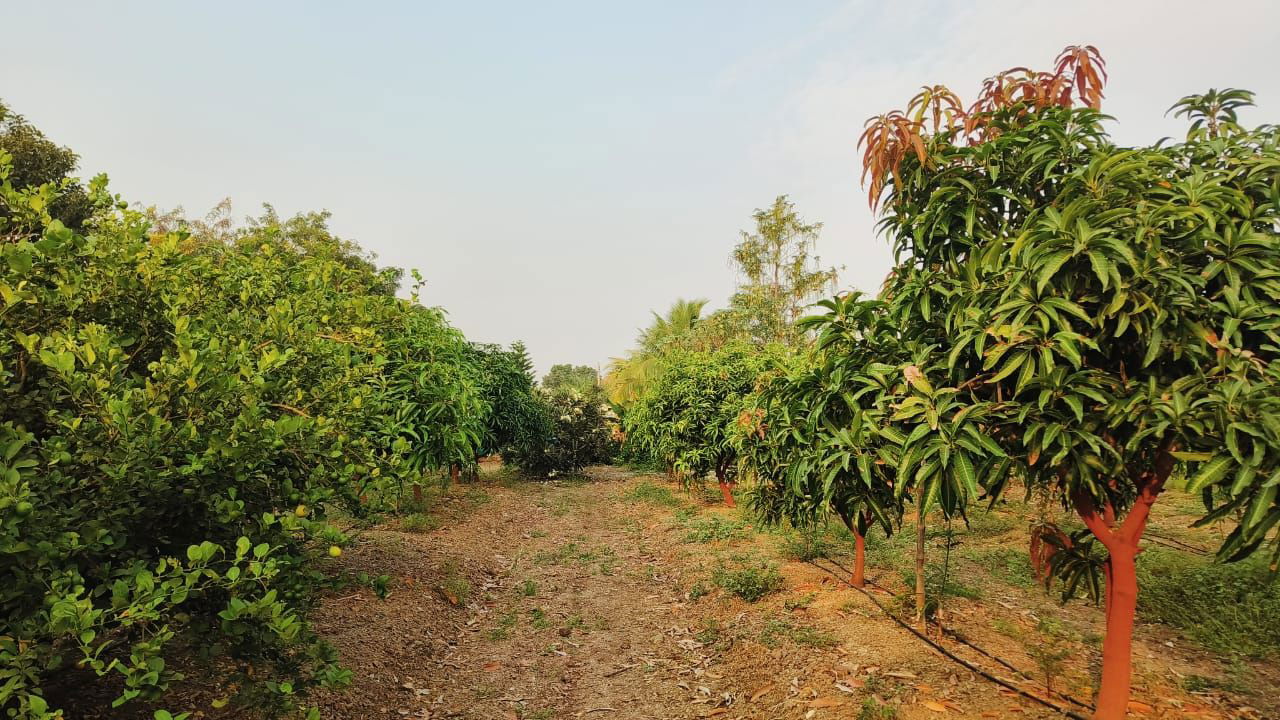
point(558, 171)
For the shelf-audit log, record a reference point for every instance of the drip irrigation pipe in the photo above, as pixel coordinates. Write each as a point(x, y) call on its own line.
point(1174, 544)
point(952, 656)
point(967, 643)
point(948, 631)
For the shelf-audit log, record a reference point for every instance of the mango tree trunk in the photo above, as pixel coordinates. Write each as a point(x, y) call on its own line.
point(1121, 574)
point(859, 559)
point(920, 594)
point(1117, 646)
point(726, 487)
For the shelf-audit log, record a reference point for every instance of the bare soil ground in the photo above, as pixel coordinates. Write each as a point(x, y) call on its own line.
point(594, 599)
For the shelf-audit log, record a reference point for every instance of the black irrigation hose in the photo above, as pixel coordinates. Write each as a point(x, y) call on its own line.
point(952, 656)
point(959, 638)
point(967, 643)
point(1174, 544)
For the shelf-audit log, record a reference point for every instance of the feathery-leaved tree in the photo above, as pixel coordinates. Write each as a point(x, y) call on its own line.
point(1111, 312)
point(780, 273)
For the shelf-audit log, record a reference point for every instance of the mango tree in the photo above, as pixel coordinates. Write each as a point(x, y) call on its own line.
point(1111, 312)
point(683, 418)
point(437, 411)
point(811, 441)
point(518, 418)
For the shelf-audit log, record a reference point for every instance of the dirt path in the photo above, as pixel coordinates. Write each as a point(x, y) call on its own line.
point(568, 613)
point(594, 600)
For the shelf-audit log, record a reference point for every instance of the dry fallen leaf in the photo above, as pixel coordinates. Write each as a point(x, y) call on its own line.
point(762, 692)
point(826, 702)
point(491, 666)
point(1140, 708)
point(935, 706)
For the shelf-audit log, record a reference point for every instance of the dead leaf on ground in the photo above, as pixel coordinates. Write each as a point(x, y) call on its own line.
point(762, 692)
point(1140, 708)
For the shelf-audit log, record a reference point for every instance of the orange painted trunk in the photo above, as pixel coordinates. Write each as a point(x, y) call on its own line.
point(1117, 646)
point(726, 488)
point(859, 558)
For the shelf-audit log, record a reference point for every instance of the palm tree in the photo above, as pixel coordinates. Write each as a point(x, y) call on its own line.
point(679, 321)
point(628, 376)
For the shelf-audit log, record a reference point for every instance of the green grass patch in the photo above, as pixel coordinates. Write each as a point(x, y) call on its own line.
point(776, 631)
point(503, 629)
point(1006, 628)
point(749, 578)
point(713, 529)
point(1010, 565)
point(575, 552)
point(989, 523)
point(1237, 678)
point(934, 591)
point(654, 494)
point(1228, 608)
point(697, 590)
point(454, 585)
point(805, 544)
point(711, 632)
point(933, 582)
point(419, 523)
point(538, 619)
point(873, 709)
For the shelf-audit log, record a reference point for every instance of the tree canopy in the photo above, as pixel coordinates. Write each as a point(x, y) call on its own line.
point(1108, 312)
point(580, 379)
point(684, 417)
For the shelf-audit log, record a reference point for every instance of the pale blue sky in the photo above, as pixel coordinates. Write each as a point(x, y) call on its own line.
point(558, 169)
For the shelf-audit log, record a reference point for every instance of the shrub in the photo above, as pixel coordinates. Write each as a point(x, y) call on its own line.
point(580, 434)
point(178, 413)
point(517, 418)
